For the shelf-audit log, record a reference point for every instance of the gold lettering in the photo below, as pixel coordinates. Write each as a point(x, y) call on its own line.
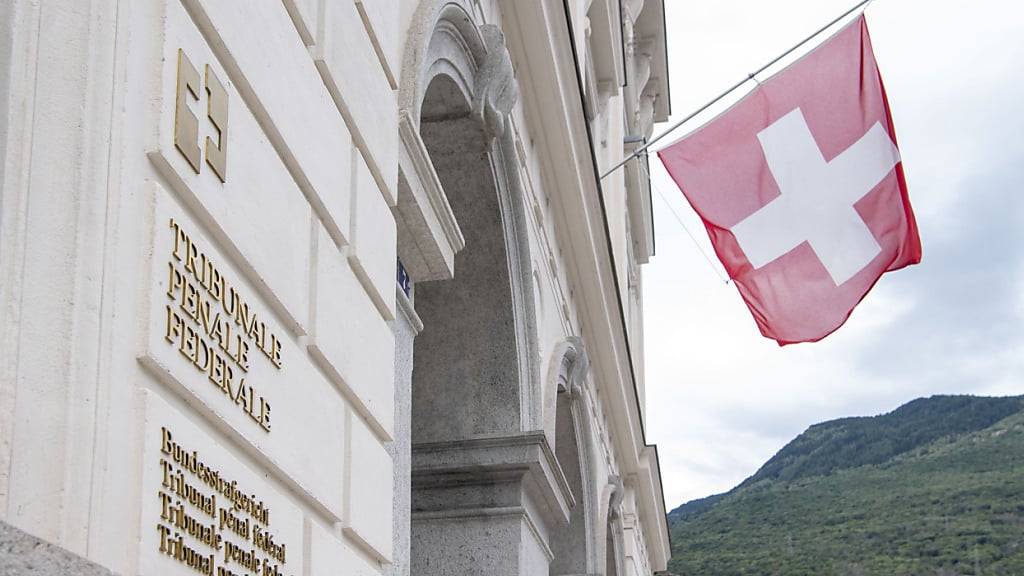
point(166, 442)
point(174, 281)
point(254, 331)
point(216, 285)
point(217, 112)
point(190, 300)
point(187, 345)
point(204, 316)
point(206, 353)
point(230, 309)
point(244, 396)
point(264, 414)
point(186, 125)
point(275, 351)
point(201, 332)
point(164, 532)
point(190, 259)
point(174, 326)
point(225, 382)
point(242, 316)
point(243, 352)
point(217, 370)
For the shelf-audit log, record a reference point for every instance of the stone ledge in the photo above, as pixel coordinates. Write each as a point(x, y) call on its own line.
point(428, 234)
point(444, 474)
point(22, 554)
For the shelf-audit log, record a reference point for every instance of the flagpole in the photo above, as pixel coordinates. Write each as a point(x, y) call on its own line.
point(731, 89)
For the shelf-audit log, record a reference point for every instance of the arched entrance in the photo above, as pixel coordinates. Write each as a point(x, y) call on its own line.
point(485, 488)
point(572, 545)
point(466, 373)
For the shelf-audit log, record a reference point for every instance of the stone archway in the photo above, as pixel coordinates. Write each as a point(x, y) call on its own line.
point(573, 545)
point(458, 89)
point(611, 539)
point(485, 488)
point(467, 377)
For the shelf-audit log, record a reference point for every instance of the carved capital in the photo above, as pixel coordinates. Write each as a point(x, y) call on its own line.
point(618, 494)
point(645, 113)
point(496, 88)
point(572, 371)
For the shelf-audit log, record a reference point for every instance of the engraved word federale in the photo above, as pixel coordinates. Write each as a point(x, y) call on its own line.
point(212, 325)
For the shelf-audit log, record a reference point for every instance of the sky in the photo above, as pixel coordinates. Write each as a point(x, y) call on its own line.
point(722, 399)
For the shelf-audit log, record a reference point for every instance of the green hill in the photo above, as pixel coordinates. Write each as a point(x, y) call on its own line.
point(934, 488)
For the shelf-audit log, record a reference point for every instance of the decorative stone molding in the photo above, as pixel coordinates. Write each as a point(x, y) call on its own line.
point(497, 91)
point(644, 36)
point(641, 212)
point(568, 372)
point(428, 235)
point(572, 366)
point(645, 113)
point(471, 468)
point(614, 525)
point(642, 57)
point(646, 101)
point(439, 28)
point(616, 497)
point(405, 306)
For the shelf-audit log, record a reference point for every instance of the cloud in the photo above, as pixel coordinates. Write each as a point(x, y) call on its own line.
point(965, 293)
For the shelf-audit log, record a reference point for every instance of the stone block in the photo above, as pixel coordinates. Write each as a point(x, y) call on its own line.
point(204, 509)
point(329, 555)
point(257, 210)
point(370, 491)
point(381, 18)
point(272, 70)
point(351, 340)
point(210, 338)
point(348, 64)
point(374, 248)
point(22, 554)
point(484, 543)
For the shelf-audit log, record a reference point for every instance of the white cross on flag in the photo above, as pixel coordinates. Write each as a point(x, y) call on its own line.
point(801, 189)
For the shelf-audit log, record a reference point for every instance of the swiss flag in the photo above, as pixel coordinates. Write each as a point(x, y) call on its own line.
point(802, 191)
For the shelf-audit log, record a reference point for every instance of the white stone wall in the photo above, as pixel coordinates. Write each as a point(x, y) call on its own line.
point(111, 342)
point(109, 357)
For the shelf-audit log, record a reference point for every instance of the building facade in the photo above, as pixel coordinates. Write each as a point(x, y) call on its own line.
point(210, 364)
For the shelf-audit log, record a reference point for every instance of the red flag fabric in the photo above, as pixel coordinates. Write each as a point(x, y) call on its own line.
point(801, 189)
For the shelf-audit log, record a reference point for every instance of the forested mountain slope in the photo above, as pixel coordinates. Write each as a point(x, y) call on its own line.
point(935, 487)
